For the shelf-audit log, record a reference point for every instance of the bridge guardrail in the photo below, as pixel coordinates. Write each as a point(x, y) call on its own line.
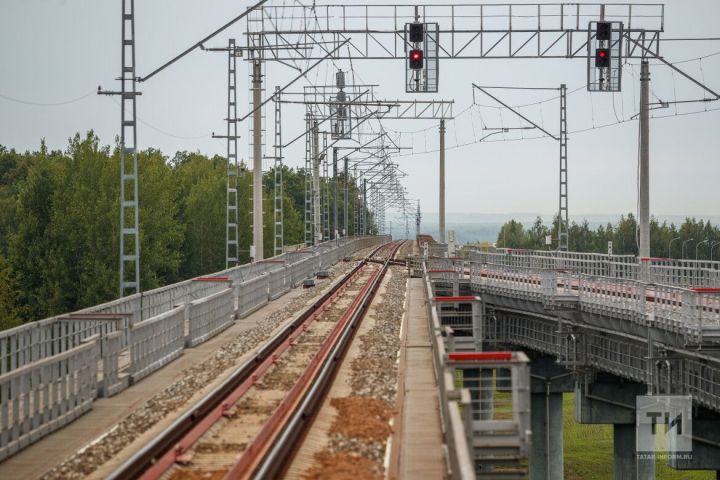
point(52, 369)
point(43, 396)
point(251, 295)
point(473, 432)
point(156, 341)
point(209, 316)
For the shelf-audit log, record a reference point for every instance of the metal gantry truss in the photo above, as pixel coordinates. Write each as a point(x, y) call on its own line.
point(362, 106)
point(467, 31)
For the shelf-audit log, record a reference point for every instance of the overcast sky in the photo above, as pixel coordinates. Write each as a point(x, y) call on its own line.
point(57, 51)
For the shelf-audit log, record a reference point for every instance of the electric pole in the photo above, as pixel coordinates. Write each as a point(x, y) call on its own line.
point(644, 180)
point(441, 220)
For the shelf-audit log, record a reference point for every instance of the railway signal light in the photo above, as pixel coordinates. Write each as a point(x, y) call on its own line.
point(603, 31)
point(416, 59)
point(416, 32)
point(602, 57)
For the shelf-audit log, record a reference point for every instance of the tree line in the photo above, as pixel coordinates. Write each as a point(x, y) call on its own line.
point(666, 240)
point(59, 223)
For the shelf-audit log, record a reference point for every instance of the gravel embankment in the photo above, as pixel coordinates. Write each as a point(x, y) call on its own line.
point(359, 433)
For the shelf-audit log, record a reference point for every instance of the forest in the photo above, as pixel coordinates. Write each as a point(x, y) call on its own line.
point(666, 240)
point(59, 221)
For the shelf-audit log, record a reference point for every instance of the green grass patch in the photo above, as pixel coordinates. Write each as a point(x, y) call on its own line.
point(589, 451)
point(588, 447)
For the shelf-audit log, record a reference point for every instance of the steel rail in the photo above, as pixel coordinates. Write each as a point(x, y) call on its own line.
point(161, 453)
point(280, 450)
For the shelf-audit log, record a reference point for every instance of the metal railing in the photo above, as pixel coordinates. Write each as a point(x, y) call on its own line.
point(52, 369)
point(469, 433)
point(43, 396)
point(209, 316)
point(155, 342)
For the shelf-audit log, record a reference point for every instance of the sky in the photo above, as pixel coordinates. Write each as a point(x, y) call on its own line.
point(55, 53)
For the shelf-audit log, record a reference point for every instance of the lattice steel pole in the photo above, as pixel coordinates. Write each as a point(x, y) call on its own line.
point(364, 208)
point(346, 206)
point(356, 202)
point(257, 158)
point(232, 247)
point(317, 226)
point(563, 196)
point(417, 220)
point(129, 206)
point(335, 194)
point(278, 214)
point(308, 182)
point(325, 192)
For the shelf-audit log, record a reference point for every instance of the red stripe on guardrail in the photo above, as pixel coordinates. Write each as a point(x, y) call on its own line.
point(468, 298)
point(480, 356)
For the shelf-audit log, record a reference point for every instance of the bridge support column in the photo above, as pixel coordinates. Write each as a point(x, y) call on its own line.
point(627, 465)
point(548, 382)
point(705, 444)
point(546, 454)
point(611, 400)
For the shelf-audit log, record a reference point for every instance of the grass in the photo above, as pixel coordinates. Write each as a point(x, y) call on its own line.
point(589, 448)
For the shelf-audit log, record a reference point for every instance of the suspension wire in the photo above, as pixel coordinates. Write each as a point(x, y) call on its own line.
point(165, 132)
point(573, 132)
point(33, 103)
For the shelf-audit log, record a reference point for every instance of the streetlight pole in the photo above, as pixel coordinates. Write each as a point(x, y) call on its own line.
point(712, 246)
point(683, 246)
point(670, 246)
point(697, 247)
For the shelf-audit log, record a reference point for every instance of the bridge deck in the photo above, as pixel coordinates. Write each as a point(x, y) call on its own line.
point(50, 451)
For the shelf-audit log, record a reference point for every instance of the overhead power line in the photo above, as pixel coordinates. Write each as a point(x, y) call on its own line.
point(46, 104)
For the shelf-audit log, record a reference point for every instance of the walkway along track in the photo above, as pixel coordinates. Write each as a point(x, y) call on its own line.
point(265, 455)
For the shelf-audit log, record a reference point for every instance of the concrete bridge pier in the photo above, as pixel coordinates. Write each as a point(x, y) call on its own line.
point(611, 400)
point(548, 382)
point(705, 444)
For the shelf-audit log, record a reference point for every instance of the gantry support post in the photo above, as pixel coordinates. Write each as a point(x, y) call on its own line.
point(364, 208)
point(325, 185)
point(317, 226)
point(441, 219)
point(356, 201)
point(257, 159)
point(129, 206)
point(417, 221)
point(232, 244)
point(644, 170)
point(336, 229)
point(279, 213)
point(346, 203)
point(563, 225)
point(308, 182)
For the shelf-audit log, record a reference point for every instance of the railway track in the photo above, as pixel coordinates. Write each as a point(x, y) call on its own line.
point(249, 426)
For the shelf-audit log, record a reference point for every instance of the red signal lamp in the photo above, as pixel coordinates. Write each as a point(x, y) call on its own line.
point(602, 57)
point(416, 59)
